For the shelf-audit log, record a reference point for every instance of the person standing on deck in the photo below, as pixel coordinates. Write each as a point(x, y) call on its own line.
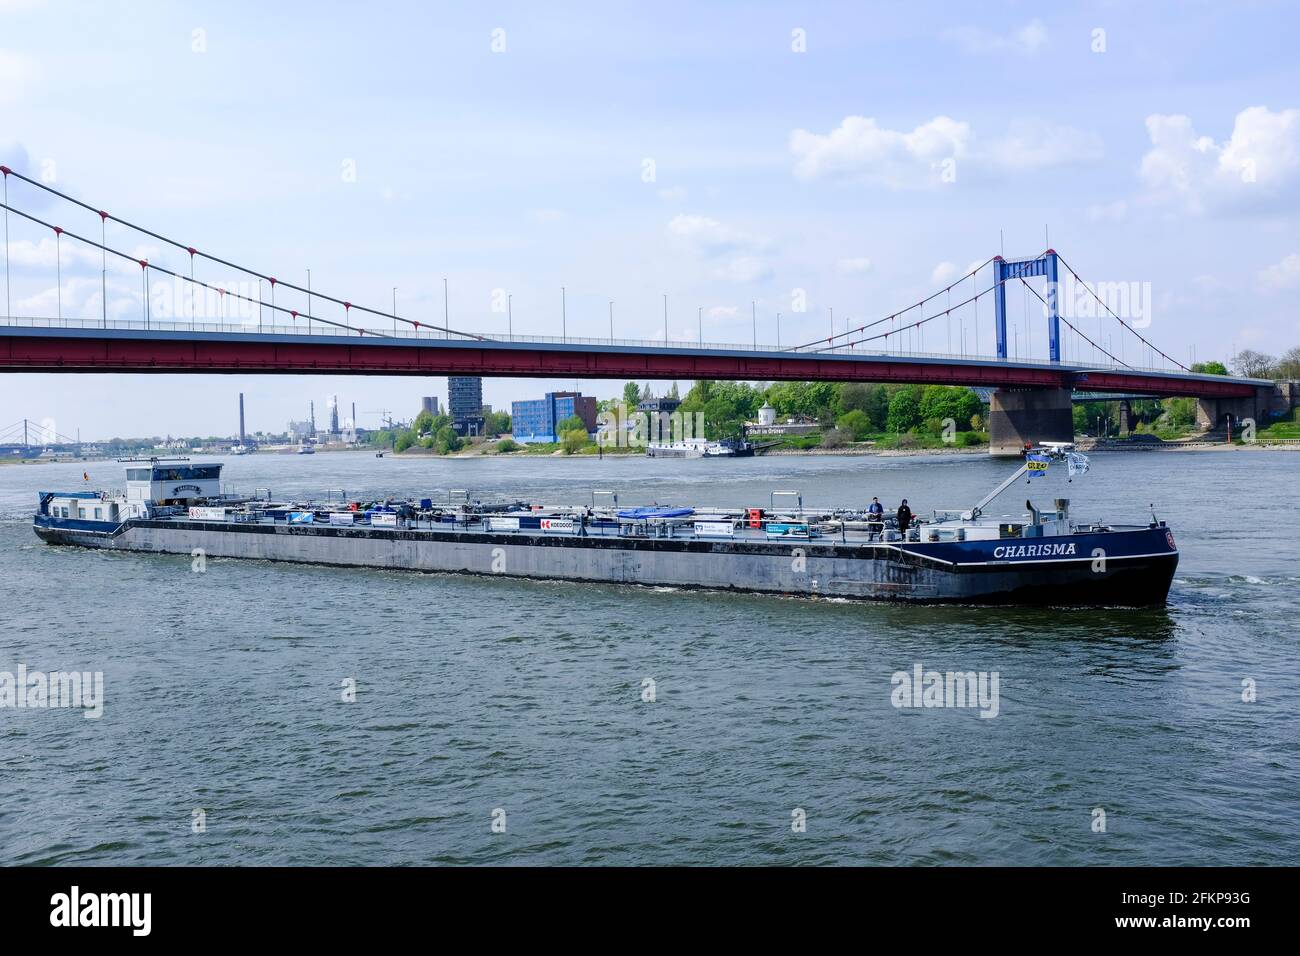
point(904, 518)
point(875, 519)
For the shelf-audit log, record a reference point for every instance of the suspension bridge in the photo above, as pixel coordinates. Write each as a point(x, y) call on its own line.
point(259, 323)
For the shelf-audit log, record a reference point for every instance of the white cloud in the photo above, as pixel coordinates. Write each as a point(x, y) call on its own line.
point(71, 254)
point(711, 237)
point(861, 150)
point(722, 312)
point(1028, 39)
point(546, 215)
point(943, 273)
point(1282, 275)
point(1256, 164)
point(673, 194)
point(855, 266)
point(707, 238)
point(81, 298)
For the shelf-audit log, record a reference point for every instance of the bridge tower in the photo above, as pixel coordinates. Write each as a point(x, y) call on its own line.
point(1008, 270)
point(1028, 416)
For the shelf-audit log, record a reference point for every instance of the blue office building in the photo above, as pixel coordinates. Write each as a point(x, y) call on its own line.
point(538, 420)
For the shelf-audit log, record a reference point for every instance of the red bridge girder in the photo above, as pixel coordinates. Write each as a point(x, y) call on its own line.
point(59, 350)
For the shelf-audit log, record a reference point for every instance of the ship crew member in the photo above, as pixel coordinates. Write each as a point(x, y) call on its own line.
point(875, 519)
point(904, 518)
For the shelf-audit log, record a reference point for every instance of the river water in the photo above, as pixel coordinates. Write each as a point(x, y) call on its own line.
point(771, 737)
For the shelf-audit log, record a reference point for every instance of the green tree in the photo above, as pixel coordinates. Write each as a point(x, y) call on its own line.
point(574, 440)
point(943, 401)
point(403, 441)
point(1210, 368)
point(868, 398)
point(804, 399)
point(631, 394)
point(905, 409)
point(572, 423)
point(423, 423)
point(446, 440)
point(856, 424)
point(1180, 413)
point(878, 407)
point(726, 406)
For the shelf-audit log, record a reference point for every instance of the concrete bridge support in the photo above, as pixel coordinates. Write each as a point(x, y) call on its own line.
point(1028, 416)
point(1213, 413)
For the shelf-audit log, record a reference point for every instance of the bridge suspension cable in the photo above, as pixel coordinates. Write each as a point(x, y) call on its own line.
point(145, 265)
point(193, 252)
point(1145, 341)
point(1077, 331)
point(844, 339)
point(922, 321)
point(28, 429)
point(862, 328)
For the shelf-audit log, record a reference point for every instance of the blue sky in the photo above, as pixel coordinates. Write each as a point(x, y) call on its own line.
point(628, 150)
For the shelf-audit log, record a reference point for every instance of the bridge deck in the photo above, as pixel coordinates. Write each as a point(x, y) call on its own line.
point(41, 345)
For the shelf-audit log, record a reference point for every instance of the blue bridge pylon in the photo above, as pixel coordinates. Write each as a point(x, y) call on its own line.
point(1005, 270)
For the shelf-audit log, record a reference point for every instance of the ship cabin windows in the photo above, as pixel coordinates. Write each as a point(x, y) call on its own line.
point(173, 484)
point(82, 508)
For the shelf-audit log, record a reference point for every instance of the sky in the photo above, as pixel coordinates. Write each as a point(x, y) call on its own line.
point(746, 160)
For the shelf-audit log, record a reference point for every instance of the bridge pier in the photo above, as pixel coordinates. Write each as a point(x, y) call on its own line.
point(1125, 417)
point(1028, 416)
point(1212, 413)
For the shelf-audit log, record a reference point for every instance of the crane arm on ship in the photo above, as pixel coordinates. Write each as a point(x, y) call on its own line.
point(1047, 451)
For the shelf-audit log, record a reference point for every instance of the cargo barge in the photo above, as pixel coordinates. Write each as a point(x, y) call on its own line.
point(1045, 557)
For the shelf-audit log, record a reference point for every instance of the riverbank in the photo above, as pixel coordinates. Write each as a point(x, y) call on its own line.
point(1084, 445)
point(1088, 445)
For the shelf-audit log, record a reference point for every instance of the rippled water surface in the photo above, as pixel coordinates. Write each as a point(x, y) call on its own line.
point(223, 690)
